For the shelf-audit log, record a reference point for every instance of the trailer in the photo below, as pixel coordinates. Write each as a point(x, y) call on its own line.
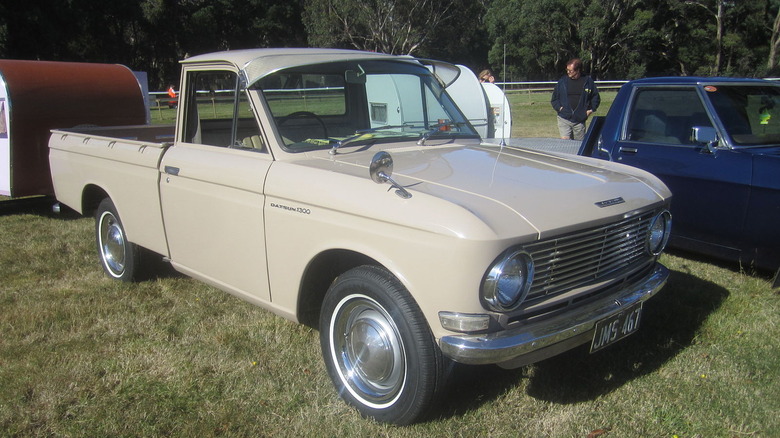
point(38, 96)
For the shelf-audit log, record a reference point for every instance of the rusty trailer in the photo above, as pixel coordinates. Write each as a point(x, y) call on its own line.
point(38, 96)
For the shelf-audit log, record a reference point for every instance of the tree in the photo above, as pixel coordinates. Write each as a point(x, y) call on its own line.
point(462, 36)
point(716, 9)
point(536, 37)
point(617, 39)
point(774, 45)
point(605, 34)
point(389, 26)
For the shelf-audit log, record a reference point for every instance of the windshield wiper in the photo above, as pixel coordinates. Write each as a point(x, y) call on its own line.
point(435, 129)
point(365, 134)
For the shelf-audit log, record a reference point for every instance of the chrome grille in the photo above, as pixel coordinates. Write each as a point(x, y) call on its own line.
point(589, 256)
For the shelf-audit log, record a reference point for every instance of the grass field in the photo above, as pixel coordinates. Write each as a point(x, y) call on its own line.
point(82, 355)
point(533, 116)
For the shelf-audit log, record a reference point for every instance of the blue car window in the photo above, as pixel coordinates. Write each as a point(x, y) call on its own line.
point(666, 116)
point(750, 113)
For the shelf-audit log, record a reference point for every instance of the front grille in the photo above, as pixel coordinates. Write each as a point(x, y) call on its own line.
point(590, 256)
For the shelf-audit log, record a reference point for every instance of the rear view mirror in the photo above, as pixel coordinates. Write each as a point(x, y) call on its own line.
point(355, 77)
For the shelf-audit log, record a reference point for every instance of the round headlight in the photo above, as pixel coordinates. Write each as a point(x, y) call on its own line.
point(508, 281)
point(658, 234)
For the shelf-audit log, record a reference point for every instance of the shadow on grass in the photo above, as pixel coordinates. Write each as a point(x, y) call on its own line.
point(669, 324)
point(749, 268)
point(39, 205)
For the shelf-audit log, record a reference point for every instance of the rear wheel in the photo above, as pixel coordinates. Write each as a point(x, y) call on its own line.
point(119, 258)
point(378, 349)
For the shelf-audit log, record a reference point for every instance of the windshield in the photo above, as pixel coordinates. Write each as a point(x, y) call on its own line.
point(750, 113)
point(318, 106)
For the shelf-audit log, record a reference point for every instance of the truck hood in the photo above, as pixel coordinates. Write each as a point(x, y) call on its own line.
point(511, 188)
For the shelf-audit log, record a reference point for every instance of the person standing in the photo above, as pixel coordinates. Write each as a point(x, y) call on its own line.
point(574, 98)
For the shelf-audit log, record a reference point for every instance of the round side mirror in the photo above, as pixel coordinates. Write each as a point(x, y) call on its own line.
point(381, 168)
point(381, 171)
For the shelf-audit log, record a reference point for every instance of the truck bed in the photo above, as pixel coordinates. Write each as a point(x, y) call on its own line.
point(123, 160)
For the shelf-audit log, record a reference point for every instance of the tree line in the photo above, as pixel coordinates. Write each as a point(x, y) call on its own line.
point(518, 39)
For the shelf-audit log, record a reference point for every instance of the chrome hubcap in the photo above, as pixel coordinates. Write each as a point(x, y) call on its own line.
point(368, 351)
point(112, 244)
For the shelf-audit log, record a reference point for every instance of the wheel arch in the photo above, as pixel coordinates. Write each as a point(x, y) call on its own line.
point(319, 275)
point(91, 197)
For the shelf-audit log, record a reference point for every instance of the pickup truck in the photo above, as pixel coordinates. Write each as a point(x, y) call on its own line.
point(715, 142)
point(345, 190)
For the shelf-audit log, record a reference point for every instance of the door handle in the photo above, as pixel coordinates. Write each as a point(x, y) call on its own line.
point(626, 150)
point(170, 170)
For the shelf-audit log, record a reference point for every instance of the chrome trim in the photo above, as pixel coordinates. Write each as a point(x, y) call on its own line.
point(495, 348)
point(490, 285)
point(567, 262)
point(381, 171)
point(666, 217)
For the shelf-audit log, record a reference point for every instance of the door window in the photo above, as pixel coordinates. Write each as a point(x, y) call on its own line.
point(666, 116)
point(219, 113)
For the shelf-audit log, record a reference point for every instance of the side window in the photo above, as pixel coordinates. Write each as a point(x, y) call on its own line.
point(665, 116)
point(218, 113)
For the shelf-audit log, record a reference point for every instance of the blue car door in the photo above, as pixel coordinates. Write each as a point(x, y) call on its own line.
point(710, 187)
point(762, 226)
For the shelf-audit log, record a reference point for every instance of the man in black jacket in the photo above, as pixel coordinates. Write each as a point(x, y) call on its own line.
point(574, 98)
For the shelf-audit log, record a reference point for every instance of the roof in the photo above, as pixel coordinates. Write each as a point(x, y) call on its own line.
point(258, 63)
point(693, 80)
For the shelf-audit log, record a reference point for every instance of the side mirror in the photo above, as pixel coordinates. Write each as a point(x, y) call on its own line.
point(602, 150)
point(381, 171)
point(705, 135)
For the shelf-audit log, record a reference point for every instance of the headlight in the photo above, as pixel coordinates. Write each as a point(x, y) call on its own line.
point(658, 234)
point(508, 281)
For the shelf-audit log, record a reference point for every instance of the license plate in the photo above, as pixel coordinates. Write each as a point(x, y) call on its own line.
point(616, 327)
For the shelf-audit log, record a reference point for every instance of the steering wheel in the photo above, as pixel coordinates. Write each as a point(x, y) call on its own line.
point(303, 114)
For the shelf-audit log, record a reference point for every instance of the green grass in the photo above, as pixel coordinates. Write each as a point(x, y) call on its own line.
point(82, 355)
point(533, 116)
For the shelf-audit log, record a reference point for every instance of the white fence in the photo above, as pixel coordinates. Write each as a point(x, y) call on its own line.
point(548, 86)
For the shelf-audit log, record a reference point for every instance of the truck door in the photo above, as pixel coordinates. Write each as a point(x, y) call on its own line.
point(212, 185)
point(656, 138)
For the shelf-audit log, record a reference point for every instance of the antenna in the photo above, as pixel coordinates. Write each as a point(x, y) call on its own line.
point(503, 102)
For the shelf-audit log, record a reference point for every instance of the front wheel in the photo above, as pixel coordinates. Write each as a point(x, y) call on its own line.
point(120, 258)
point(378, 349)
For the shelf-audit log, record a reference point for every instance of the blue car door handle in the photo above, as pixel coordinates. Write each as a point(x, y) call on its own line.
point(626, 150)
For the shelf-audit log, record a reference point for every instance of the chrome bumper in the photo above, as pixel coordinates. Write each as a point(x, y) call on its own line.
point(509, 345)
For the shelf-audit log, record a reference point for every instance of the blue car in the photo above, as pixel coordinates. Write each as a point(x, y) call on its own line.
point(715, 142)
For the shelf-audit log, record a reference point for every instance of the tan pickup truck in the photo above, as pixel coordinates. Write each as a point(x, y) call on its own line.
point(345, 190)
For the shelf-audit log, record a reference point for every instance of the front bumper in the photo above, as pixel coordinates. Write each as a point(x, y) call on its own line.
point(534, 342)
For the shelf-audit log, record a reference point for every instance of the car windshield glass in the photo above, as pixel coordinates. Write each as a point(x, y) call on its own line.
point(359, 102)
point(750, 113)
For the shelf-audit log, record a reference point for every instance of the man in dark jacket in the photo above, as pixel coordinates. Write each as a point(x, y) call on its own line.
point(574, 98)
